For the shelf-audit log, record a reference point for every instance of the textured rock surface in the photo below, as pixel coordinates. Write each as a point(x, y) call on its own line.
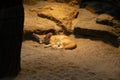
point(35, 24)
point(116, 3)
point(62, 15)
point(105, 19)
point(62, 1)
point(30, 2)
point(91, 60)
point(102, 6)
point(89, 27)
point(63, 18)
point(71, 2)
point(110, 21)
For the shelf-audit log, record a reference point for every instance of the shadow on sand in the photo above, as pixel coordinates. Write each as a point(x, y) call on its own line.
point(96, 36)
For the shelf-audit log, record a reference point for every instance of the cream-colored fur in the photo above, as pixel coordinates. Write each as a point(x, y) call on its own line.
point(59, 41)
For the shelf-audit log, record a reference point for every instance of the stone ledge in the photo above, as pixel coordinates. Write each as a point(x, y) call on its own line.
point(91, 29)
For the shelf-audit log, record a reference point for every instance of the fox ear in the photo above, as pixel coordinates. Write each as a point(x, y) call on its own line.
point(36, 38)
point(49, 35)
point(46, 39)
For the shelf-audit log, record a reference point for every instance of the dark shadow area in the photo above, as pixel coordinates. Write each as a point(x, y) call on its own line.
point(101, 6)
point(96, 36)
point(11, 30)
point(8, 78)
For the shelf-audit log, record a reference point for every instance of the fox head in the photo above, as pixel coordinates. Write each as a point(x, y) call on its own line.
point(43, 39)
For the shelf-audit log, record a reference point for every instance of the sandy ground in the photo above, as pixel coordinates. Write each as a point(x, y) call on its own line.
point(91, 60)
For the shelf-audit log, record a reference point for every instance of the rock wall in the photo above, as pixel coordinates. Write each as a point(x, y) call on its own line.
point(115, 3)
point(31, 2)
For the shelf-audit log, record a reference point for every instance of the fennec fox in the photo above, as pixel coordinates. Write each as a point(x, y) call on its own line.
point(56, 41)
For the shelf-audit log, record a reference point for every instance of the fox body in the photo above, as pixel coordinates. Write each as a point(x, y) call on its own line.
point(57, 41)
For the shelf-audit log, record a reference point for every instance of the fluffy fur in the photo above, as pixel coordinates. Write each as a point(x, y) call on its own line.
point(57, 41)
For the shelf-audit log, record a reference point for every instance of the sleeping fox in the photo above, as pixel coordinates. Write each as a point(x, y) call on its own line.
point(56, 41)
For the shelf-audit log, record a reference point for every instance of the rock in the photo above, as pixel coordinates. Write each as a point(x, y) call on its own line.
point(61, 17)
point(29, 2)
point(91, 8)
point(115, 3)
point(105, 19)
point(101, 6)
point(87, 26)
point(61, 14)
point(70, 2)
point(35, 24)
point(73, 2)
point(97, 32)
point(64, 1)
